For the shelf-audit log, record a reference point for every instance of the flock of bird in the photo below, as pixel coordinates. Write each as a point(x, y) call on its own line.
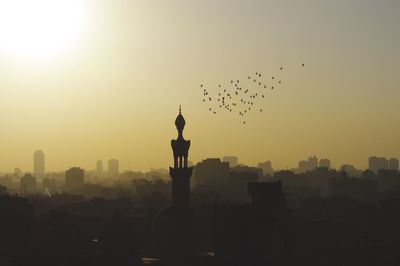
point(240, 97)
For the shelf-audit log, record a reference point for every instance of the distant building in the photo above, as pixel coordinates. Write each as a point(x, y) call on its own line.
point(325, 163)
point(6, 181)
point(28, 184)
point(113, 167)
point(99, 167)
point(351, 171)
point(312, 162)
point(18, 172)
point(74, 178)
point(248, 169)
point(38, 164)
point(266, 167)
point(255, 233)
point(393, 164)
point(377, 163)
point(232, 160)
point(49, 184)
point(3, 190)
point(211, 174)
point(238, 182)
point(303, 166)
point(267, 195)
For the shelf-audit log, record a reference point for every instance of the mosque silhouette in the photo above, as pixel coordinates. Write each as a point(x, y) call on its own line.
point(174, 235)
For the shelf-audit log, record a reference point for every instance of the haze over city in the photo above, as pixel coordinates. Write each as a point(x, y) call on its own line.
point(112, 88)
point(199, 133)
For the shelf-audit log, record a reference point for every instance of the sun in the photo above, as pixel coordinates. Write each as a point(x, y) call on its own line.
point(39, 30)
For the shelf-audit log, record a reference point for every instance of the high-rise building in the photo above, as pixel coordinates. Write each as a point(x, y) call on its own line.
point(113, 167)
point(325, 163)
point(266, 167)
point(38, 163)
point(232, 160)
point(377, 163)
point(28, 184)
point(99, 167)
point(393, 164)
point(74, 178)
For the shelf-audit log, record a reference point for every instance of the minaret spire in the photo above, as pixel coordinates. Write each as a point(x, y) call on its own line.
point(180, 173)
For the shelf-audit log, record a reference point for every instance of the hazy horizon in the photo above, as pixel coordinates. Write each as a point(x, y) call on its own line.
point(114, 91)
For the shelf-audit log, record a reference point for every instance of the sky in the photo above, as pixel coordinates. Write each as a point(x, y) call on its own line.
point(107, 81)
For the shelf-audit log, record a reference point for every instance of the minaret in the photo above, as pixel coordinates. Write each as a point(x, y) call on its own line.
point(180, 173)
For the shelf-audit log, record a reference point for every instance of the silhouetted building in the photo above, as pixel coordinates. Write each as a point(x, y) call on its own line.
point(211, 174)
point(268, 195)
point(180, 173)
point(325, 163)
point(99, 167)
point(247, 169)
point(113, 167)
point(255, 234)
point(266, 168)
point(151, 188)
point(174, 239)
point(361, 189)
point(377, 163)
point(237, 186)
point(28, 184)
point(16, 226)
point(388, 180)
point(6, 181)
point(74, 178)
point(38, 164)
point(49, 184)
point(3, 190)
point(393, 164)
point(232, 160)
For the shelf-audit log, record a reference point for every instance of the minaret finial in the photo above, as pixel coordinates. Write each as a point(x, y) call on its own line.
point(179, 109)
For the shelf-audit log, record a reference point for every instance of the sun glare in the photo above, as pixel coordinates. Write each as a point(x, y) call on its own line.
point(39, 30)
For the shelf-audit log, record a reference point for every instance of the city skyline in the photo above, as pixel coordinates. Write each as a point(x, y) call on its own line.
point(187, 133)
point(105, 96)
point(113, 169)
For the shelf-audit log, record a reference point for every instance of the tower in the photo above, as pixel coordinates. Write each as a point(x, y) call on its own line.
point(38, 164)
point(99, 167)
point(175, 240)
point(180, 173)
point(113, 167)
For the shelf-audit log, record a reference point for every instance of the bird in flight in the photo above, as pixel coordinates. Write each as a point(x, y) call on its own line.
point(233, 99)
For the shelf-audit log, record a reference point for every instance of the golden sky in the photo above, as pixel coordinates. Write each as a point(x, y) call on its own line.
point(109, 83)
